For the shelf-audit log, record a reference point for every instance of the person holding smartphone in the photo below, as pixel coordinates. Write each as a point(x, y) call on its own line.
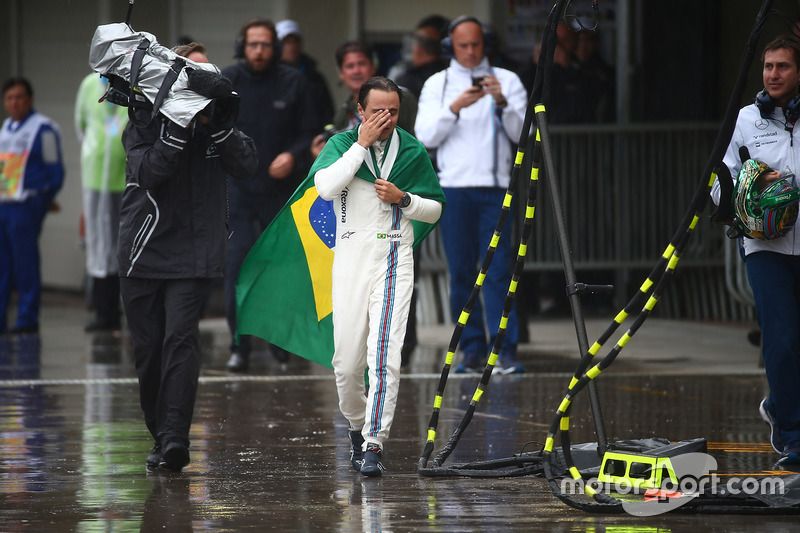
point(472, 113)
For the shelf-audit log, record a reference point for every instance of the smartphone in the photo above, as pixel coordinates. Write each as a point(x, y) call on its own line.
point(476, 81)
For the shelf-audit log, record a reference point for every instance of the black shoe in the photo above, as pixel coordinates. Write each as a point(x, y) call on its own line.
point(175, 457)
point(774, 433)
point(154, 459)
point(356, 449)
point(508, 363)
point(237, 363)
point(790, 454)
point(372, 466)
point(25, 330)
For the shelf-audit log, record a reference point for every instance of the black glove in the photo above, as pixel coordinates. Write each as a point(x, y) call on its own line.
point(222, 112)
point(176, 135)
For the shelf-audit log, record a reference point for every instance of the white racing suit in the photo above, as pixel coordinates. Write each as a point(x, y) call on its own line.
point(373, 276)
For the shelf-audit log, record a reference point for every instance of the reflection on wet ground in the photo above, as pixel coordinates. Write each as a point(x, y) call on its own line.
point(269, 450)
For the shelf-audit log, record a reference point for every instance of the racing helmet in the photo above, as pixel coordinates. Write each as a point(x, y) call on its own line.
point(766, 213)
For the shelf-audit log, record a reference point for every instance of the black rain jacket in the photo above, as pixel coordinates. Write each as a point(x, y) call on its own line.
point(174, 208)
point(277, 112)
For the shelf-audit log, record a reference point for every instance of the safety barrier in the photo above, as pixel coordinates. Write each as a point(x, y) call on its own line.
point(624, 189)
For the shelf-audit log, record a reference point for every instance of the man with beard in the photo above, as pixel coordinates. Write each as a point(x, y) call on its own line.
point(277, 113)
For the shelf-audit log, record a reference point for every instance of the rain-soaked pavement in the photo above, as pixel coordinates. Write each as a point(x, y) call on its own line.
point(269, 449)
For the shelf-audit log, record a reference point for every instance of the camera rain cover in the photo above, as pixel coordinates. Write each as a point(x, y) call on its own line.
point(112, 51)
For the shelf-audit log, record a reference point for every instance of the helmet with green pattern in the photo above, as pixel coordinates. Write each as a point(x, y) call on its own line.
point(765, 204)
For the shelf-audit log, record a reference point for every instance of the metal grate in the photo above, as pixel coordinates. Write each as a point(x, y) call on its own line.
point(625, 190)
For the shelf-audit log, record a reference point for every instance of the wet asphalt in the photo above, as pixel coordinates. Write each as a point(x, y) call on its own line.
point(269, 449)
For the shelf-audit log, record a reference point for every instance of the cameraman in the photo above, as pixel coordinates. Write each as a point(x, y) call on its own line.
point(171, 244)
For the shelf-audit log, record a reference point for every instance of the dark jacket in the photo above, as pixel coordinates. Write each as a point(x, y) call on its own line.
point(414, 77)
point(277, 113)
point(172, 223)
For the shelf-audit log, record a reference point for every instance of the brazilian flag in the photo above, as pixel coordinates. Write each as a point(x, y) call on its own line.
point(284, 289)
point(283, 293)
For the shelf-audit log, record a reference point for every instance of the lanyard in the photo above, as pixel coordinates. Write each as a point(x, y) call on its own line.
point(383, 157)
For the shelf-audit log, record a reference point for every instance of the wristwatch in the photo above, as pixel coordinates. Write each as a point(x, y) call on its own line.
point(405, 201)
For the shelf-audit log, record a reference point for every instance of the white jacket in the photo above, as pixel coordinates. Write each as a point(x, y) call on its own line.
point(767, 140)
point(473, 149)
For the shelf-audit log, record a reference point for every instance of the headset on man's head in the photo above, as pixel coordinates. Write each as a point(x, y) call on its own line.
point(447, 42)
point(239, 43)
